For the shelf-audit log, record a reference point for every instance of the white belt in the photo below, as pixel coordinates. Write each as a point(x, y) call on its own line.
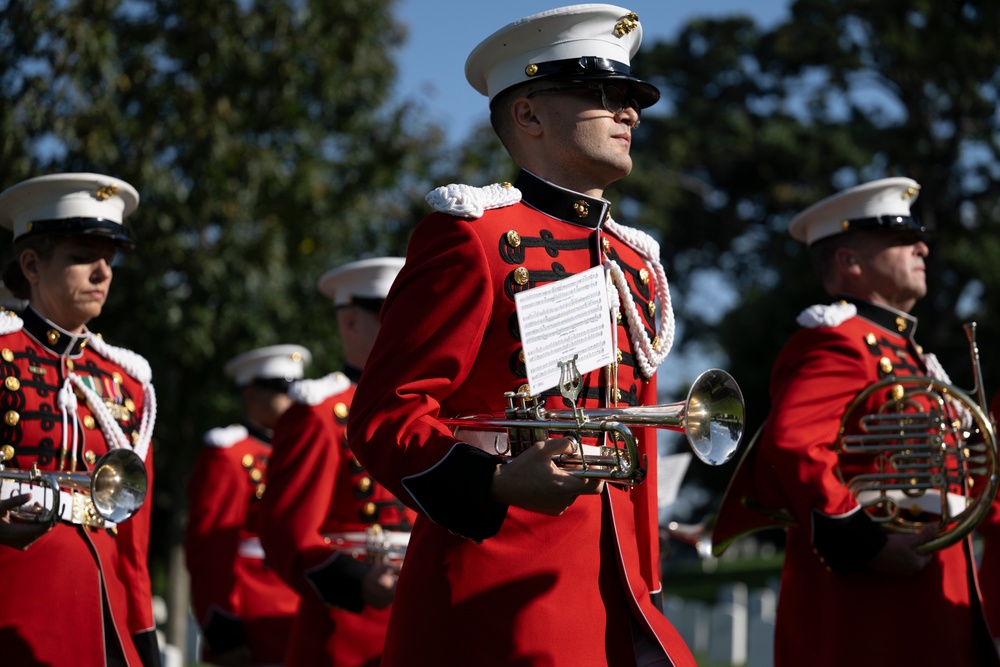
point(929, 501)
point(496, 442)
point(250, 547)
point(73, 506)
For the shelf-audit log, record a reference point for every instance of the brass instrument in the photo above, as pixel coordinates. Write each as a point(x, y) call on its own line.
point(113, 491)
point(711, 418)
point(931, 468)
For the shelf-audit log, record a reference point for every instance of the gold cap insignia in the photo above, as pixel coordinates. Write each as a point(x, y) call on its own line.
point(582, 208)
point(626, 24)
point(901, 324)
point(106, 192)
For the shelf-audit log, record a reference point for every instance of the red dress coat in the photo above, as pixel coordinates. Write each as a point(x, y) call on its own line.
point(238, 599)
point(989, 571)
point(57, 593)
point(316, 491)
point(484, 583)
point(831, 611)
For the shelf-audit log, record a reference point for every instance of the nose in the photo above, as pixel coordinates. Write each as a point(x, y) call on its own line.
point(630, 117)
point(102, 269)
point(921, 249)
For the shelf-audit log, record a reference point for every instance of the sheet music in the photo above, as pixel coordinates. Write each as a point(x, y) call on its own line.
point(563, 319)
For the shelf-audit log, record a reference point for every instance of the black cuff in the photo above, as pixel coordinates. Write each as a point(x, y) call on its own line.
point(223, 632)
point(657, 600)
point(148, 648)
point(456, 493)
point(338, 582)
point(847, 543)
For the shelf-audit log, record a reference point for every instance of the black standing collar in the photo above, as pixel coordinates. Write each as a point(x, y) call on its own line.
point(890, 319)
point(52, 337)
point(258, 431)
point(560, 203)
point(353, 373)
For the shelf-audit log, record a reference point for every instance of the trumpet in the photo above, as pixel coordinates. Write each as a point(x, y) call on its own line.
point(711, 418)
point(931, 466)
point(112, 492)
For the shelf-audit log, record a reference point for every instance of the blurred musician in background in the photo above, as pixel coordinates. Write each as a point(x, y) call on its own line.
point(244, 609)
point(333, 533)
point(851, 592)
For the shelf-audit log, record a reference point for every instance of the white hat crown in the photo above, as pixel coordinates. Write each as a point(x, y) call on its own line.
point(363, 279)
point(586, 42)
point(273, 362)
point(86, 203)
point(843, 211)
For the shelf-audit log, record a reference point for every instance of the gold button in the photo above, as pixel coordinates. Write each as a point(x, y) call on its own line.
point(582, 208)
point(341, 410)
point(901, 324)
point(7, 355)
point(12, 383)
point(70, 365)
point(531, 69)
point(606, 244)
point(651, 308)
point(88, 422)
point(520, 356)
point(6, 453)
point(524, 388)
point(513, 239)
point(885, 365)
point(644, 276)
point(83, 343)
point(657, 344)
point(90, 457)
point(11, 418)
point(259, 492)
point(53, 336)
point(620, 356)
point(247, 460)
point(370, 509)
point(364, 484)
point(870, 339)
point(256, 475)
point(521, 276)
point(130, 405)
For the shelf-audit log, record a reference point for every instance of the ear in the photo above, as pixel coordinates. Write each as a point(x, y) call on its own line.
point(847, 262)
point(30, 261)
point(524, 111)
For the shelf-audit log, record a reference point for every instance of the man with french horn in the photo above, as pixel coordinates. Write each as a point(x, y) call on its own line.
point(862, 421)
point(517, 560)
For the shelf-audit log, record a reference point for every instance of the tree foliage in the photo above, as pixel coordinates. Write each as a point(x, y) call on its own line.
point(266, 149)
point(758, 124)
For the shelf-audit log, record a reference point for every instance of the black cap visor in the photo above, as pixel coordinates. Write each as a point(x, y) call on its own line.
point(592, 68)
point(83, 227)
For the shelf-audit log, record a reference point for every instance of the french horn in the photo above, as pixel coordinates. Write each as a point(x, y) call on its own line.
point(935, 454)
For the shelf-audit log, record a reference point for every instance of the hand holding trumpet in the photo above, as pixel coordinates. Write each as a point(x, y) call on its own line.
point(534, 482)
point(14, 533)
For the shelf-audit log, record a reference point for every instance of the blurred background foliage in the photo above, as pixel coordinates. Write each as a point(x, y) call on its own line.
point(267, 149)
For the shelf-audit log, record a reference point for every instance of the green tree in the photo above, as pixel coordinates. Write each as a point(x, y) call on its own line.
point(266, 149)
point(758, 124)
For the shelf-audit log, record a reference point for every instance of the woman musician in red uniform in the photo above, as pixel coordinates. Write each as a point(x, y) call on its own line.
point(76, 589)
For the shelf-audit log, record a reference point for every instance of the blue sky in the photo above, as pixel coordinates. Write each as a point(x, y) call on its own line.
point(442, 33)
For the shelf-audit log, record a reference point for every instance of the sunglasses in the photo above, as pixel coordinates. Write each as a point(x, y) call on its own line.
point(613, 98)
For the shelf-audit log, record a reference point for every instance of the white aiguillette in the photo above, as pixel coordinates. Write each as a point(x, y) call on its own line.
point(563, 320)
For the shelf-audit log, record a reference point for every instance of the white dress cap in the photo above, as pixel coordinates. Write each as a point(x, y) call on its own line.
point(877, 205)
point(364, 279)
point(274, 362)
point(88, 204)
point(577, 43)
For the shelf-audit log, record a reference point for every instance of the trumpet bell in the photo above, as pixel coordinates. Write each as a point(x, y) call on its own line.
point(118, 485)
point(714, 417)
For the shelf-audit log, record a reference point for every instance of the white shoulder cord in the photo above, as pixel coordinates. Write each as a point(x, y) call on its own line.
point(647, 358)
point(66, 400)
point(137, 367)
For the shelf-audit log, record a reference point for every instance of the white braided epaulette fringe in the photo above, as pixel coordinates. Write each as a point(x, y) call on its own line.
point(647, 247)
point(469, 201)
point(137, 367)
point(226, 436)
point(314, 392)
point(832, 315)
point(10, 322)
